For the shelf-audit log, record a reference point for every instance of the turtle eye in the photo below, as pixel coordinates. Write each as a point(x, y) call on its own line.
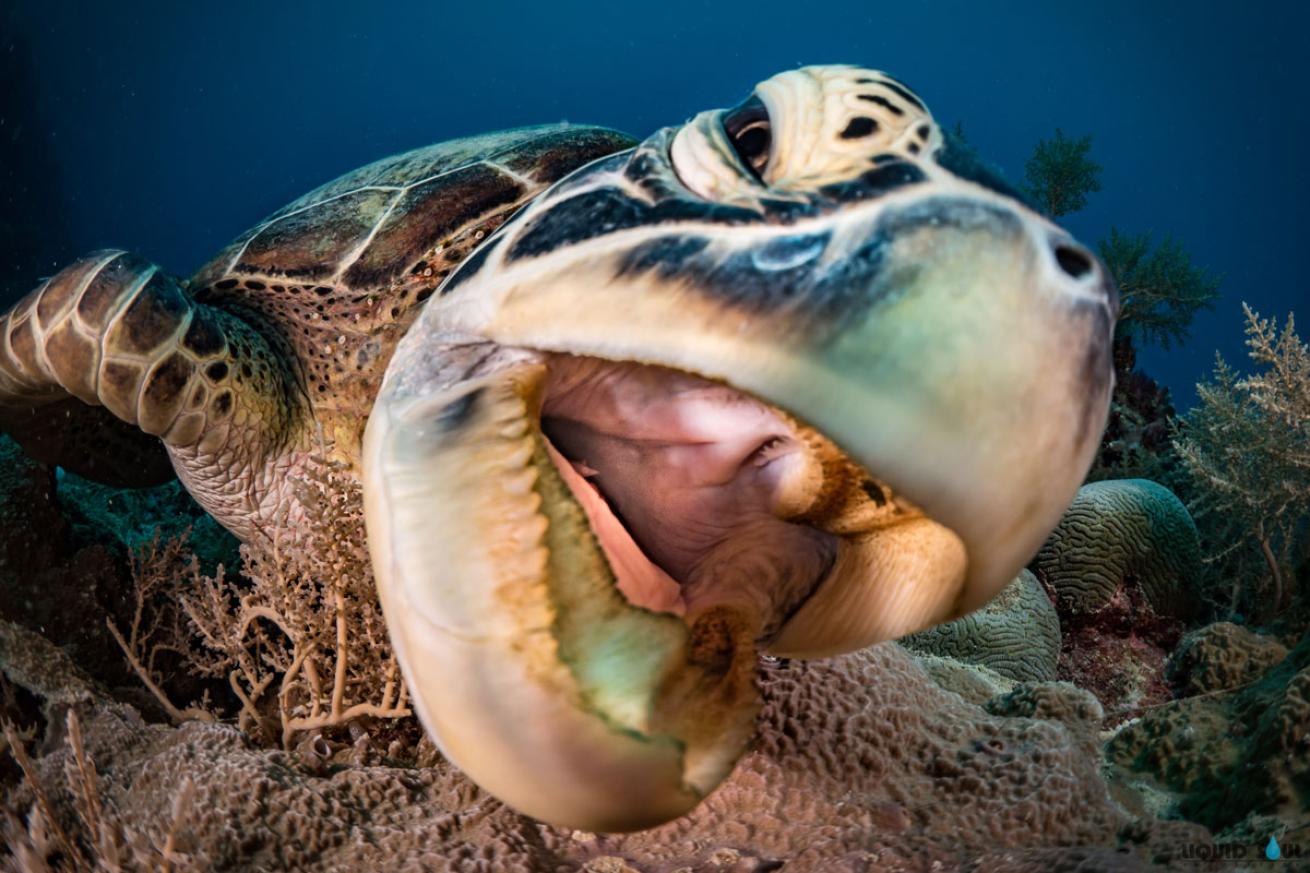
point(747, 127)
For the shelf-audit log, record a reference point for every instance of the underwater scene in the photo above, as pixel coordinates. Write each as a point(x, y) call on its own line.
point(619, 439)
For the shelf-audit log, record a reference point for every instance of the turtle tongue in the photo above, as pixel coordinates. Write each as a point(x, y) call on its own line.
point(641, 580)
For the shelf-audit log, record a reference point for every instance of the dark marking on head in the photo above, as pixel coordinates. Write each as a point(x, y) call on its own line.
point(922, 131)
point(226, 284)
point(255, 285)
point(903, 92)
point(874, 491)
point(456, 414)
point(875, 182)
point(883, 102)
point(779, 273)
point(955, 212)
point(607, 210)
point(470, 267)
point(858, 127)
point(216, 371)
point(666, 255)
point(914, 148)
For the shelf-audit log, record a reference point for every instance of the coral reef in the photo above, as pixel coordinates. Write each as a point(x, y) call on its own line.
point(51, 578)
point(1115, 533)
point(1160, 291)
point(135, 518)
point(861, 764)
point(1123, 567)
point(1059, 701)
point(973, 682)
point(1246, 448)
point(1221, 656)
point(1137, 443)
point(1233, 760)
point(299, 639)
point(1016, 635)
point(1060, 174)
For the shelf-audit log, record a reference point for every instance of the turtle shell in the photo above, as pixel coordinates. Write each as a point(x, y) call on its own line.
point(338, 275)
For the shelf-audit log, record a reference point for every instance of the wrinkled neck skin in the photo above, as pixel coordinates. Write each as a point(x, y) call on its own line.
point(688, 485)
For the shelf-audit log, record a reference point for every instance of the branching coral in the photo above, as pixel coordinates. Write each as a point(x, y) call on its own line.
point(1246, 448)
point(157, 628)
point(309, 628)
point(1160, 291)
point(1060, 174)
point(301, 642)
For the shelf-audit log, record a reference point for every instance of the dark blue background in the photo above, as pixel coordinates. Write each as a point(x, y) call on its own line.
point(175, 126)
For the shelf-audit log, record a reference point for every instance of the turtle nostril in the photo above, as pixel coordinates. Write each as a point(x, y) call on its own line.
point(1073, 261)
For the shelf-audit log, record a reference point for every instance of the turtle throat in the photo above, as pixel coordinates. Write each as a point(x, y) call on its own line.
point(688, 485)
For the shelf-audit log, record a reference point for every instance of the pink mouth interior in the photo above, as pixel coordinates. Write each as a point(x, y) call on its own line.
point(680, 479)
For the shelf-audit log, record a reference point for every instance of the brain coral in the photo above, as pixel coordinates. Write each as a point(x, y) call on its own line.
point(1121, 530)
point(861, 764)
point(1221, 656)
point(974, 682)
point(1017, 634)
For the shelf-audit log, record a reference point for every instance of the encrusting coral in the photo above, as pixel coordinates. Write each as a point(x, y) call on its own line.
point(1221, 656)
point(1237, 761)
point(861, 764)
point(1017, 634)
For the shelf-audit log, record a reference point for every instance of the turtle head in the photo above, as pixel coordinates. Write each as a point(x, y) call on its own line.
point(796, 377)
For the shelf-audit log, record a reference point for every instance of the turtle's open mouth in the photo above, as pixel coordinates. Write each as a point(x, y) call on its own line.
point(580, 559)
point(690, 486)
point(703, 497)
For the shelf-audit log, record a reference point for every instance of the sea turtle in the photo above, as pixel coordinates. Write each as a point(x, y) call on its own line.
point(799, 375)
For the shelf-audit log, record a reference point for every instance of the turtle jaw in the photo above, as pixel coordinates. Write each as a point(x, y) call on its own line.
point(974, 382)
point(527, 665)
point(553, 684)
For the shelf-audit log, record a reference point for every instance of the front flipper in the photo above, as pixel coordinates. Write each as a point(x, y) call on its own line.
point(114, 331)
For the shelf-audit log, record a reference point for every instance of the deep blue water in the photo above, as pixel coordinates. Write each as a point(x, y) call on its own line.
point(170, 128)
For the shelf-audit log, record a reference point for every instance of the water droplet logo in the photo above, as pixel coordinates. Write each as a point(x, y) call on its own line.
point(1272, 852)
